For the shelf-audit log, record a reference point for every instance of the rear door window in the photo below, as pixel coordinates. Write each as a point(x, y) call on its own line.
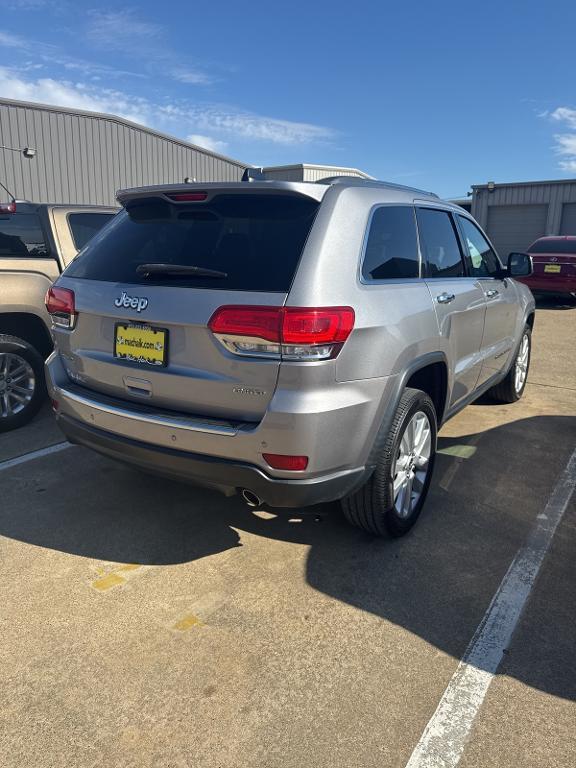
point(392, 246)
point(21, 236)
point(256, 240)
point(84, 226)
point(439, 244)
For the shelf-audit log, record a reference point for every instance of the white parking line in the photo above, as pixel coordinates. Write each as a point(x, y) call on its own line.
point(34, 455)
point(444, 738)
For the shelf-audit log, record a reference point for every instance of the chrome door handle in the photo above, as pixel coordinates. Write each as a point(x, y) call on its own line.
point(445, 298)
point(492, 292)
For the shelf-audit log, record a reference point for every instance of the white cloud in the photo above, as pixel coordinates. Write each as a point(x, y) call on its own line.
point(126, 33)
point(207, 142)
point(565, 142)
point(565, 115)
point(11, 41)
point(200, 121)
point(121, 30)
point(65, 93)
point(192, 76)
point(566, 148)
point(27, 5)
point(53, 55)
point(220, 119)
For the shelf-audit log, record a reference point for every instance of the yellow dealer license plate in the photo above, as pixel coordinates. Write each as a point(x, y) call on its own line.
point(141, 344)
point(552, 268)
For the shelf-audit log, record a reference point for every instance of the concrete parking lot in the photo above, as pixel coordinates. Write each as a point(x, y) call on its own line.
point(146, 623)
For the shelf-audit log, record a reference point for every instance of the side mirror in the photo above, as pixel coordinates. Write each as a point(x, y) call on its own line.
point(520, 265)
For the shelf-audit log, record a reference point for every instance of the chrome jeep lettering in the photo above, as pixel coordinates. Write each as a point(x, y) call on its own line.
point(131, 302)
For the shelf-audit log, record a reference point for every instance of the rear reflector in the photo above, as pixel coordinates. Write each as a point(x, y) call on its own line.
point(297, 333)
point(289, 463)
point(61, 306)
point(188, 197)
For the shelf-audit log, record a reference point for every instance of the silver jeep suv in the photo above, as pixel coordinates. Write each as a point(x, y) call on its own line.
point(298, 342)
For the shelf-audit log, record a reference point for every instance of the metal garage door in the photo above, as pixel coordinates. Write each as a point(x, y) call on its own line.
point(568, 224)
point(515, 227)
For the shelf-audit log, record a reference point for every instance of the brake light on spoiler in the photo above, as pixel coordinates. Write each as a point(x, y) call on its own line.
point(287, 333)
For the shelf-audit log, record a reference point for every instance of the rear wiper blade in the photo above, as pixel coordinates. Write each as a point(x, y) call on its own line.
point(178, 270)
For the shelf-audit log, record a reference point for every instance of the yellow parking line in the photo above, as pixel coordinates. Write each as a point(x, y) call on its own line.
point(109, 581)
point(114, 578)
point(459, 451)
point(187, 622)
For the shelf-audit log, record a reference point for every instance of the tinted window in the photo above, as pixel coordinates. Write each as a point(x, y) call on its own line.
point(392, 246)
point(439, 243)
point(553, 246)
point(483, 260)
point(21, 235)
point(255, 239)
point(85, 225)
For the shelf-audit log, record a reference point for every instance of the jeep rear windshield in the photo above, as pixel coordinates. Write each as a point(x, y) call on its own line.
point(255, 239)
point(553, 246)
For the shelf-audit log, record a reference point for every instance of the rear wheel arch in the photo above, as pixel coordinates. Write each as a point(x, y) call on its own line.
point(29, 327)
point(430, 372)
point(432, 378)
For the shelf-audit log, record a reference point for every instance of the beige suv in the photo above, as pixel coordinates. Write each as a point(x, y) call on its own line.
point(37, 241)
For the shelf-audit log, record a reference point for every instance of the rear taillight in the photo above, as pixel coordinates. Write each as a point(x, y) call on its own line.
point(8, 207)
point(290, 333)
point(60, 305)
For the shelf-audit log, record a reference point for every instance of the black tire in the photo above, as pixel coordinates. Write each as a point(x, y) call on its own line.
point(12, 345)
point(372, 507)
point(506, 391)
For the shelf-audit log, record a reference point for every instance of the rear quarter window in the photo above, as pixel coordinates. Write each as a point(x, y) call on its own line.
point(255, 239)
point(391, 246)
point(21, 235)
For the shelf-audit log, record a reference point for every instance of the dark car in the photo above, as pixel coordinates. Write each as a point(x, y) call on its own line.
point(554, 261)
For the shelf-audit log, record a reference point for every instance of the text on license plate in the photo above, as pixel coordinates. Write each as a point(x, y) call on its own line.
point(552, 268)
point(141, 344)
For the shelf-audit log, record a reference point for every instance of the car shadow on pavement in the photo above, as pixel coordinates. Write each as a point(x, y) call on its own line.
point(437, 582)
point(555, 302)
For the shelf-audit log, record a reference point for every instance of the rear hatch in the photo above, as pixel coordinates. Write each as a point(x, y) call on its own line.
point(554, 258)
point(141, 331)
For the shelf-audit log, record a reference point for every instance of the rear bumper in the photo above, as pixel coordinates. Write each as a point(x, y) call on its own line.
point(543, 283)
point(334, 427)
point(221, 474)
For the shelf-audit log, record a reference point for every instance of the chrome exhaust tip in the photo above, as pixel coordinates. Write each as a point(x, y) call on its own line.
point(251, 499)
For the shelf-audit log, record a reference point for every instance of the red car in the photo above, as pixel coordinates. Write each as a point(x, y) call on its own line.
point(554, 261)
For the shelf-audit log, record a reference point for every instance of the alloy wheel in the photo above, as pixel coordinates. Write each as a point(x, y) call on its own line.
point(412, 464)
point(521, 367)
point(17, 384)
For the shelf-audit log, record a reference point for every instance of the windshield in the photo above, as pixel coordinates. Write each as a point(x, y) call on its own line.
point(256, 240)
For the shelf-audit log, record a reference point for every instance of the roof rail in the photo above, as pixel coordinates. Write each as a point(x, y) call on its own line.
point(358, 182)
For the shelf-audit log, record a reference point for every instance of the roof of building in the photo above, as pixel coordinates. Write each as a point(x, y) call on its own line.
point(299, 166)
point(523, 183)
point(122, 121)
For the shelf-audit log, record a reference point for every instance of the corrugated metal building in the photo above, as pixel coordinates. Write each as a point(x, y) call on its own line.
point(308, 172)
point(84, 157)
point(515, 214)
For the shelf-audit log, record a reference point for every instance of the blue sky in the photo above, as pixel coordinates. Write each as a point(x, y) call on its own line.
point(440, 95)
